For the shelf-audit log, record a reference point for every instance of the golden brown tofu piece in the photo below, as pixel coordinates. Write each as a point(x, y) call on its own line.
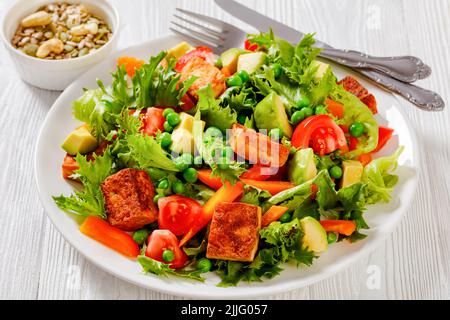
point(206, 73)
point(129, 199)
point(352, 85)
point(234, 232)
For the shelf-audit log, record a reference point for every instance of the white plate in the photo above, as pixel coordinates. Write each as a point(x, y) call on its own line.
point(381, 218)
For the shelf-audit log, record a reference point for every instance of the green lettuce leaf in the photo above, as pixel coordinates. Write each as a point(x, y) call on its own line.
point(90, 200)
point(212, 113)
point(378, 178)
point(161, 269)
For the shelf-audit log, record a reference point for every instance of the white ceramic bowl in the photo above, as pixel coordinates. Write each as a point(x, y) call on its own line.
point(55, 74)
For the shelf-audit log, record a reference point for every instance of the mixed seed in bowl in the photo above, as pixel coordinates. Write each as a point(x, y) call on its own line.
point(61, 31)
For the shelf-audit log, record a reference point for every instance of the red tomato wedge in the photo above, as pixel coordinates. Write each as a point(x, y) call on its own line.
point(131, 64)
point(335, 108)
point(384, 135)
point(257, 172)
point(118, 240)
point(273, 214)
point(204, 53)
point(161, 240)
point(69, 166)
point(178, 214)
point(345, 227)
point(273, 187)
point(227, 193)
point(257, 147)
point(321, 133)
point(250, 46)
point(153, 120)
point(186, 103)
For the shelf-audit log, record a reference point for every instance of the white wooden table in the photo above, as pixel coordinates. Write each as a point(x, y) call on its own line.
point(37, 263)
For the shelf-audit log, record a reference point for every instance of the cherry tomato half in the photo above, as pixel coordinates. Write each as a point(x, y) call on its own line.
point(153, 120)
point(321, 133)
point(178, 214)
point(162, 240)
point(202, 52)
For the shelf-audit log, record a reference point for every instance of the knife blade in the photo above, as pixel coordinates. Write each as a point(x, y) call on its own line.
point(261, 22)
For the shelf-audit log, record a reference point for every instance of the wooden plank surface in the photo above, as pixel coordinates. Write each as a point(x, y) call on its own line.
point(37, 263)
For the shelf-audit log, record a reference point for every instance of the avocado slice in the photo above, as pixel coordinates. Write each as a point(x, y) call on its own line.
point(251, 62)
point(179, 50)
point(182, 135)
point(79, 141)
point(230, 59)
point(352, 172)
point(321, 68)
point(270, 114)
point(302, 167)
point(314, 235)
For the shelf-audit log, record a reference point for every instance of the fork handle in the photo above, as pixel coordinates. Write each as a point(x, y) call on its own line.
point(423, 98)
point(403, 68)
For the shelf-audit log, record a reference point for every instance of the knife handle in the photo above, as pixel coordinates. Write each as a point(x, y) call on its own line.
point(403, 68)
point(423, 98)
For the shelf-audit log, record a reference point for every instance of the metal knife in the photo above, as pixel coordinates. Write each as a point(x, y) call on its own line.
point(423, 98)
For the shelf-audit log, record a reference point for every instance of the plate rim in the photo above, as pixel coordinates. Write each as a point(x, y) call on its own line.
point(257, 291)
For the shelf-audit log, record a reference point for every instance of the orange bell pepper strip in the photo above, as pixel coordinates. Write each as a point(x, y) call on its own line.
point(365, 159)
point(273, 187)
point(204, 175)
point(131, 64)
point(335, 108)
point(256, 173)
point(345, 227)
point(118, 240)
point(273, 214)
point(227, 193)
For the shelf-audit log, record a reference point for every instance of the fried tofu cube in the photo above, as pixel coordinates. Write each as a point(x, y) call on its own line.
point(352, 85)
point(129, 199)
point(234, 232)
point(206, 73)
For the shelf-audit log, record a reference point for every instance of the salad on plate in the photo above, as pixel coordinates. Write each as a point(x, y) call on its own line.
point(192, 163)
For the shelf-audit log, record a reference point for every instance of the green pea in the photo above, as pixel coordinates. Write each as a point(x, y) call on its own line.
point(157, 197)
point(234, 81)
point(303, 103)
point(204, 264)
point(168, 255)
point(331, 237)
point(213, 132)
point(167, 127)
point(336, 172)
point(308, 112)
point(219, 63)
point(198, 160)
point(167, 111)
point(276, 134)
point(173, 119)
point(243, 75)
point(320, 110)
point(190, 175)
point(241, 118)
point(356, 129)
point(297, 116)
point(285, 217)
point(277, 70)
point(178, 187)
point(166, 139)
point(184, 161)
point(140, 236)
point(163, 184)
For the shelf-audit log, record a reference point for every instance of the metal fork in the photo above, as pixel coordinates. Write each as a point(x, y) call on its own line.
point(219, 35)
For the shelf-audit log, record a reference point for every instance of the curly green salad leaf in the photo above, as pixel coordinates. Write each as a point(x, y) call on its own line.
point(212, 113)
point(161, 269)
point(90, 200)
